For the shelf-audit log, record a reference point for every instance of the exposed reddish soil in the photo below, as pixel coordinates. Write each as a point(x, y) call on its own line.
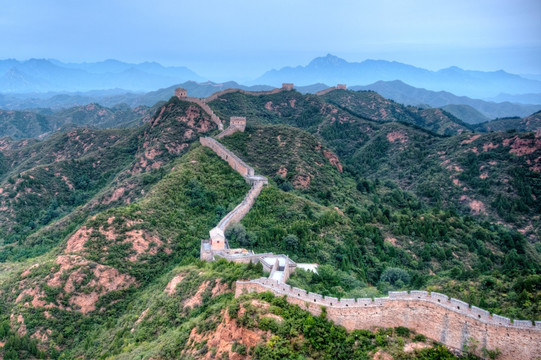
point(196, 299)
point(172, 285)
point(280, 142)
point(225, 335)
point(73, 271)
point(397, 136)
point(77, 241)
point(282, 172)
point(381, 355)
point(333, 159)
point(522, 147)
point(141, 240)
point(268, 105)
point(471, 139)
point(302, 181)
point(117, 194)
point(489, 146)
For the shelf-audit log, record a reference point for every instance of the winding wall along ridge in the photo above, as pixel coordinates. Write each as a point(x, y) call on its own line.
point(449, 321)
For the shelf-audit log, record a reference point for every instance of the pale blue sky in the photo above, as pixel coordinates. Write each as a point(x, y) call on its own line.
point(240, 39)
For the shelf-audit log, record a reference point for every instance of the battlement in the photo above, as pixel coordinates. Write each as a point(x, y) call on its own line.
point(341, 86)
point(432, 314)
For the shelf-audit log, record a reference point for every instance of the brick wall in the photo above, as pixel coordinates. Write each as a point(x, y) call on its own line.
point(234, 161)
point(449, 321)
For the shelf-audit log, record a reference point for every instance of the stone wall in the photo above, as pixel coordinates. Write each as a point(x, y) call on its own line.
point(228, 91)
point(328, 90)
point(235, 162)
point(449, 321)
point(213, 117)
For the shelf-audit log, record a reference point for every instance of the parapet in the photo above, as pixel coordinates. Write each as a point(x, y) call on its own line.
point(341, 86)
point(181, 93)
point(288, 86)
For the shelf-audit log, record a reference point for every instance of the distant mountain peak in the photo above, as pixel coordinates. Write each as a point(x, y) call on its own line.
point(328, 60)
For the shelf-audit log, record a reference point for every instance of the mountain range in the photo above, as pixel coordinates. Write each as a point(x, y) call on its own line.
point(41, 75)
point(331, 69)
point(50, 75)
point(469, 110)
point(101, 229)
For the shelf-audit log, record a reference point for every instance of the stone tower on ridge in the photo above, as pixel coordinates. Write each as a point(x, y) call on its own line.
point(181, 93)
point(288, 86)
point(238, 121)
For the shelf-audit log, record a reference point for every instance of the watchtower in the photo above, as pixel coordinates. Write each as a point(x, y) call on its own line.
point(181, 93)
point(238, 121)
point(288, 86)
point(341, 86)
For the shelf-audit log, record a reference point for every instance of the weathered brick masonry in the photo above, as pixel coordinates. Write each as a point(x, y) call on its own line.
point(449, 321)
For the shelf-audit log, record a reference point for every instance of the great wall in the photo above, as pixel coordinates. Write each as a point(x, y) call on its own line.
point(448, 321)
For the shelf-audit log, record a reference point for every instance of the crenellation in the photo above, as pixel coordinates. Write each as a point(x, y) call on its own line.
point(523, 323)
point(314, 297)
point(419, 294)
point(425, 316)
point(398, 294)
point(497, 319)
point(459, 304)
point(480, 312)
point(364, 301)
point(181, 93)
point(439, 297)
point(299, 292)
point(332, 301)
point(379, 301)
point(347, 302)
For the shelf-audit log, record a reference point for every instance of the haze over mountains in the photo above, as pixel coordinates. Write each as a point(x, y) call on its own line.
point(40, 83)
point(332, 69)
point(40, 75)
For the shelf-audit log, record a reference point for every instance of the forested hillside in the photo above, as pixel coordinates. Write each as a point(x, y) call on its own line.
point(100, 229)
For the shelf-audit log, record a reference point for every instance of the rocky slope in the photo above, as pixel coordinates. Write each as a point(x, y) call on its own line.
point(101, 230)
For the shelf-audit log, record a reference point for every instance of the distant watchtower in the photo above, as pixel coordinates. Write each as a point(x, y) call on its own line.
point(181, 93)
point(238, 121)
point(287, 86)
point(341, 86)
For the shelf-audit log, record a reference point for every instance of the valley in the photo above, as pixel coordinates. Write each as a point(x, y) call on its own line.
point(101, 228)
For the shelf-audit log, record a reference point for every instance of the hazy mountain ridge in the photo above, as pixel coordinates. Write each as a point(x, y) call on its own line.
point(40, 75)
point(331, 70)
point(43, 122)
point(409, 95)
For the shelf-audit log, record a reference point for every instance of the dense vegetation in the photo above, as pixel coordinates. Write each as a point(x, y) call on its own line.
point(96, 224)
point(42, 122)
